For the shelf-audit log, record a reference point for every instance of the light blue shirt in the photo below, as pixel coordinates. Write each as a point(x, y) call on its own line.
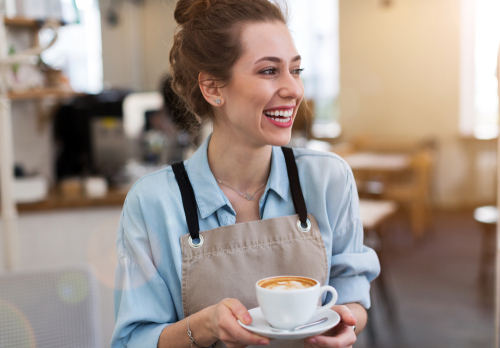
point(148, 276)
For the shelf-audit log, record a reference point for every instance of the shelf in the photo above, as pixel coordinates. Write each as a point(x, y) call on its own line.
point(115, 197)
point(28, 23)
point(42, 93)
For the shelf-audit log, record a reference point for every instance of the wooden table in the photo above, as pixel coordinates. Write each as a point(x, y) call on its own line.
point(378, 162)
point(371, 167)
point(374, 212)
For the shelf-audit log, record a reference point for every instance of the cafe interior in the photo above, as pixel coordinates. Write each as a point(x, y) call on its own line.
point(405, 91)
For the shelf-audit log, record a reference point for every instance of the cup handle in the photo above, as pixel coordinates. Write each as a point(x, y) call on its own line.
point(335, 296)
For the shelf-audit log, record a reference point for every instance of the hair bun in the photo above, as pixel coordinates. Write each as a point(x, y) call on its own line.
point(185, 11)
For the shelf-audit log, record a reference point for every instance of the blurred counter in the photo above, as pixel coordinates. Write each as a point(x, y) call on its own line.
point(115, 197)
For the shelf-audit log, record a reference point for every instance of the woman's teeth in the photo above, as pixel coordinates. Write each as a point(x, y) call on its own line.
point(283, 120)
point(279, 113)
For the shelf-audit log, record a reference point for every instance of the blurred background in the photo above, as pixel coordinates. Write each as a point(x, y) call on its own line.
point(406, 91)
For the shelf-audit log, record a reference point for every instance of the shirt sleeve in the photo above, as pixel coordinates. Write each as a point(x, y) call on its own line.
point(143, 304)
point(353, 265)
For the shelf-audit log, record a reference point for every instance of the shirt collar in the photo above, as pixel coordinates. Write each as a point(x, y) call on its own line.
point(209, 196)
point(278, 177)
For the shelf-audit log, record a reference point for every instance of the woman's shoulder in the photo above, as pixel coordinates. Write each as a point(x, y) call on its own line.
point(153, 187)
point(323, 174)
point(321, 162)
point(303, 152)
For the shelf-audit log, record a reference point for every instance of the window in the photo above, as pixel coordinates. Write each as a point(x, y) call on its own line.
point(314, 26)
point(78, 49)
point(479, 54)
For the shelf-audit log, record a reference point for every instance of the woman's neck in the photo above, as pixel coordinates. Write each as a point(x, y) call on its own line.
point(242, 166)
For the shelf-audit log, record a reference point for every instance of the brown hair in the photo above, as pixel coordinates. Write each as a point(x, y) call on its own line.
point(207, 40)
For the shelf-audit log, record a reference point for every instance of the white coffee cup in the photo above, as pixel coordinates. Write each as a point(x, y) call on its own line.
point(289, 301)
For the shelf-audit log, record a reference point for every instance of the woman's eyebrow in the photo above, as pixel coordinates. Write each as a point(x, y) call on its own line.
point(276, 59)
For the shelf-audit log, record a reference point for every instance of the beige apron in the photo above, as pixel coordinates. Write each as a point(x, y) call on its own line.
point(232, 258)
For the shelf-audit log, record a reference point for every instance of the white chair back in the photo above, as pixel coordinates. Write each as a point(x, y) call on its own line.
point(49, 309)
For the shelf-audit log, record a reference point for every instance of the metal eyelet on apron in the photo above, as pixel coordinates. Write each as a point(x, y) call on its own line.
point(302, 229)
point(190, 241)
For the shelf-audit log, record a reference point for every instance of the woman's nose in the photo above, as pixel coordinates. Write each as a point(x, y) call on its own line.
point(291, 87)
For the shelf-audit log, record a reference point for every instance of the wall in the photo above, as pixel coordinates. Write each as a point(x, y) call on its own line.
point(33, 148)
point(135, 52)
point(400, 67)
point(400, 80)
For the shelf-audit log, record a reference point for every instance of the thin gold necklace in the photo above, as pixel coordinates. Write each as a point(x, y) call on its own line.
point(247, 196)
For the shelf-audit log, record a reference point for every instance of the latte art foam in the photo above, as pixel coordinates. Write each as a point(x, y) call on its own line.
point(287, 283)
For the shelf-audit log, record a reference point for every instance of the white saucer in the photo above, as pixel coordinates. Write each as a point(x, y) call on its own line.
point(260, 325)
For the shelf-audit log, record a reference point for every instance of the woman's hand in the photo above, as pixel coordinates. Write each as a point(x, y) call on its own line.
point(225, 327)
point(341, 336)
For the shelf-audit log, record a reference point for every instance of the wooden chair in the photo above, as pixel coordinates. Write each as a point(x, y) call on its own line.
point(414, 192)
point(410, 187)
point(50, 308)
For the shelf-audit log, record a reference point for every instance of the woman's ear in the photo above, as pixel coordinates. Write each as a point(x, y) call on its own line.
point(210, 89)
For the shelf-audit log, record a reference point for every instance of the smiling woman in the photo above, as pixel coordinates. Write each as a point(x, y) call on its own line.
point(208, 40)
point(191, 236)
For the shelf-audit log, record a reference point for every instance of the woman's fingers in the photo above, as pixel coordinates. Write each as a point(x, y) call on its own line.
point(345, 314)
point(344, 338)
point(244, 336)
point(238, 310)
point(234, 330)
point(232, 342)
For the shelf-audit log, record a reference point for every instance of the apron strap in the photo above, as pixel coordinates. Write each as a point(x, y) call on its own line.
point(191, 208)
point(188, 199)
point(293, 177)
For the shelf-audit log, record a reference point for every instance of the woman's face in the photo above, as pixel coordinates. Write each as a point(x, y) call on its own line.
point(265, 90)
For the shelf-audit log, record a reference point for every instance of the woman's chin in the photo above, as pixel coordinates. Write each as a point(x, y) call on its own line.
point(281, 138)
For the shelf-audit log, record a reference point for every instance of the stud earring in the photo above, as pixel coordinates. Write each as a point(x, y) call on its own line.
point(217, 101)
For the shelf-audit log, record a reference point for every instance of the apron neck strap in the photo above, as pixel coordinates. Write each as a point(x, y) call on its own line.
point(188, 199)
point(293, 177)
point(191, 208)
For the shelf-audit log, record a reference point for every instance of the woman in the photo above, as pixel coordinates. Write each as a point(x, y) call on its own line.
point(234, 62)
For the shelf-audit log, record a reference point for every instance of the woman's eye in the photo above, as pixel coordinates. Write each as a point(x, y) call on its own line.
point(270, 71)
point(297, 71)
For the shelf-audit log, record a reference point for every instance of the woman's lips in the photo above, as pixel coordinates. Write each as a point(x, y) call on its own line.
point(280, 121)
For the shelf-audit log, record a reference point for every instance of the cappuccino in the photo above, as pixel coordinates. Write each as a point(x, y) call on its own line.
point(287, 283)
point(289, 301)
